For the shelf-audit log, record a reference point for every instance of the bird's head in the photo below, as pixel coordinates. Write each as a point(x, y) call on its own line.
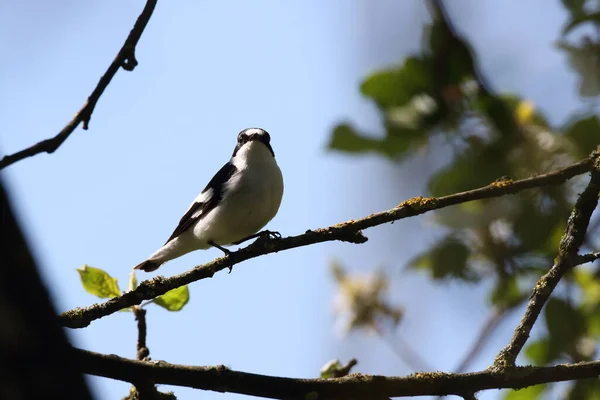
point(253, 140)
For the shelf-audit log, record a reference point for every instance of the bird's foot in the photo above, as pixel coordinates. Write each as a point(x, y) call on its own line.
point(224, 250)
point(266, 234)
point(218, 246)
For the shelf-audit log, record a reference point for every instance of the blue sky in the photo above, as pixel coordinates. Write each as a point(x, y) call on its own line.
point(207, 70)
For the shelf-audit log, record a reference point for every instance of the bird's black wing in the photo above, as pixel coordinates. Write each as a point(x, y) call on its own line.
point(199, 209)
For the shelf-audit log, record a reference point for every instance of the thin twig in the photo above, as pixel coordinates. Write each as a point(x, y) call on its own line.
point(587, 258)
point(404, 351)
point(490, 325)
point(567, 257)
point(145, 389)
point(125, 59)
point(142, 350)
point(354, 386)
point(349, 231)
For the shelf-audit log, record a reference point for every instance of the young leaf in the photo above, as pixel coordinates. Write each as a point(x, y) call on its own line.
point(175, 299)
point(98, 282)
point(132, 282)
point(328, 370)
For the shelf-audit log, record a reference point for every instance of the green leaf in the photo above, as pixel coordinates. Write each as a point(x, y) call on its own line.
point(453, 56)
point(345, 138)
point(530, 393)
point(175, 299)
point(447, 259)
point(585, 134)
point(565, 324)
point(574, 6)
point(541, 352)
point(581, 19)
point(506, 293)
point(396, 87)
point(98, 282)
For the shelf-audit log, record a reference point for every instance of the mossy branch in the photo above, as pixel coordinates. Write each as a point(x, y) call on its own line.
point(567, 258)
point(349, 231)
point(353, 386)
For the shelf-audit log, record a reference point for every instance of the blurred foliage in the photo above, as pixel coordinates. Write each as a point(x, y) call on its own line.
point(361, 303)
point(492, 138)
point(530, 393)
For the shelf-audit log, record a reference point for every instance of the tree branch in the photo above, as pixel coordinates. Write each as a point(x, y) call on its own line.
point(346, 231)
point(125, 58)
point(567, 257)
point(586, 258)
point(142, 350)
point(354, 386)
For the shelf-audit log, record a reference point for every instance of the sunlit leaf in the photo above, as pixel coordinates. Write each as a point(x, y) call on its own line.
point(530, 393)
point(98, 282)
point(524, 112)
point(175, 299)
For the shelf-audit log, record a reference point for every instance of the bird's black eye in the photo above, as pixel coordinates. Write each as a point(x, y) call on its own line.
point(242, 138)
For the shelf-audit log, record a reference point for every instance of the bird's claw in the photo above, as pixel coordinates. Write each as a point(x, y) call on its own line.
point(271, 234)
point(262, 235)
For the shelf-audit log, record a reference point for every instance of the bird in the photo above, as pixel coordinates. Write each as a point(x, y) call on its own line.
point(240, 199)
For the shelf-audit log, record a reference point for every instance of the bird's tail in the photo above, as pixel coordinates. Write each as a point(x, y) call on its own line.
point(148, 265)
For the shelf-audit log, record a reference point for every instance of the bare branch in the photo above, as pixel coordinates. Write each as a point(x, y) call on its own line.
point(125, 58)
point(567, 258)
point(347, 231)
point(354, 386)
point(586, 258)
point(142, 350)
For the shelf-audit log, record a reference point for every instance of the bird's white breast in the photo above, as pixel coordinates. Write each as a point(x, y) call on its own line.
point(252, 197)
